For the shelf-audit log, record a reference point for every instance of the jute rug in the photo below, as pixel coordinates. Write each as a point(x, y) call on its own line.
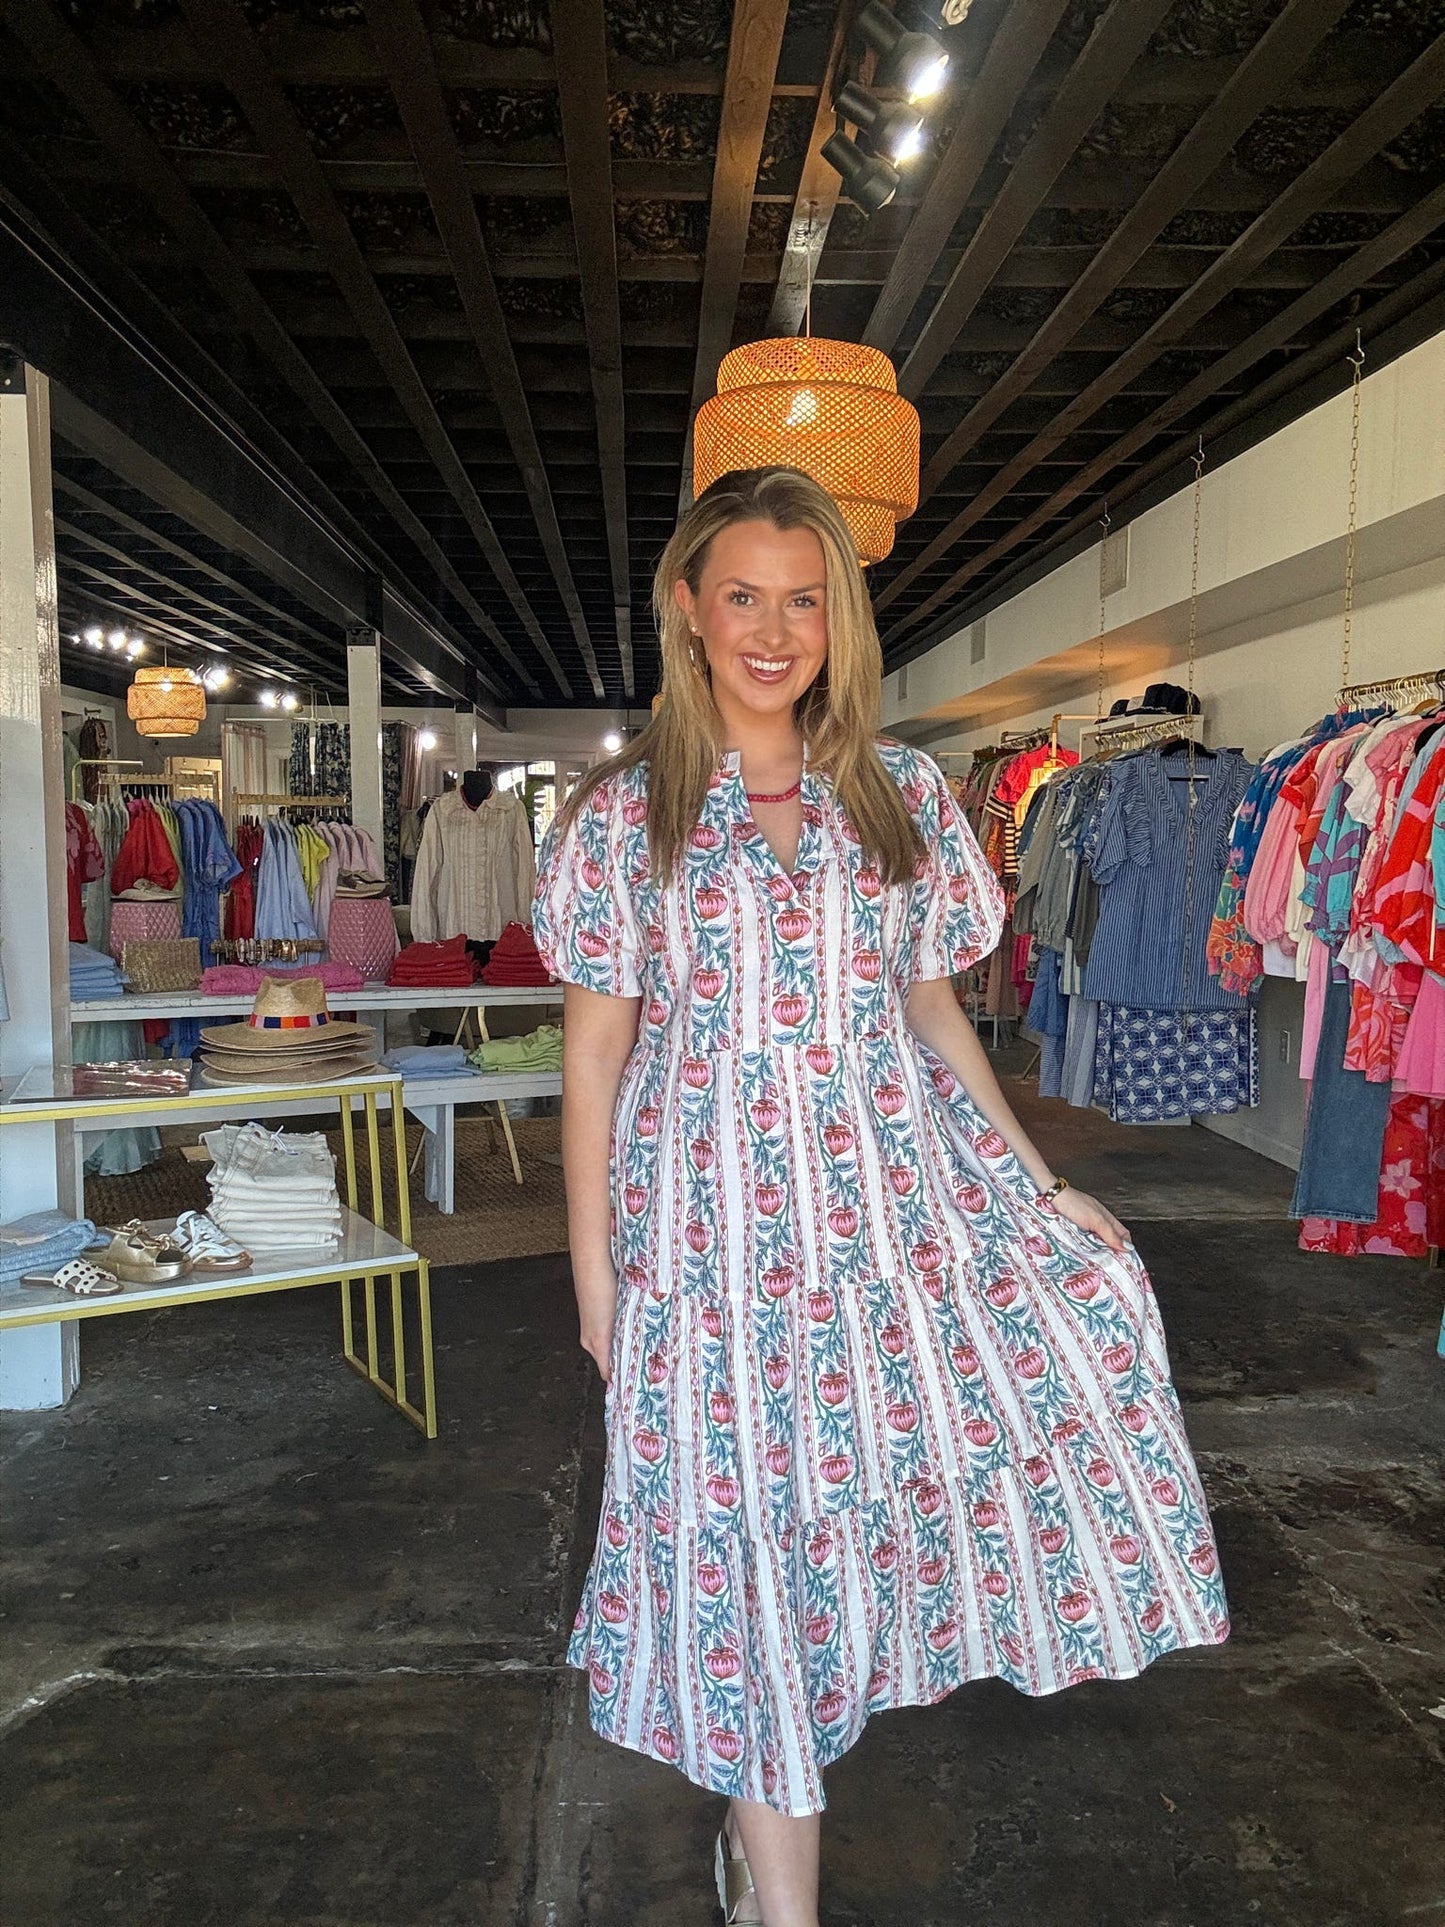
point(495, 1217)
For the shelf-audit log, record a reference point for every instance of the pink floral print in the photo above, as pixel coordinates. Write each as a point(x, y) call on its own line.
point(879, 1422)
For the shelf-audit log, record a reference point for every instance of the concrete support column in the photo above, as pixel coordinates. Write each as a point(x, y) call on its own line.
point(465, 737)
point(40, 1365)
point(363, 695)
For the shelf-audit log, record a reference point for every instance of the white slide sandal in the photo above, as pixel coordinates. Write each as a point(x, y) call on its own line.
point(79, 1278)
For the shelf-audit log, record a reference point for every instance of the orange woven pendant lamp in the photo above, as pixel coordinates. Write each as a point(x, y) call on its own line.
point(166, 702)
point(830, 408)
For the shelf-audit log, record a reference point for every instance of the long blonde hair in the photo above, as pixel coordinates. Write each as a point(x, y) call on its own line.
point(837, 715)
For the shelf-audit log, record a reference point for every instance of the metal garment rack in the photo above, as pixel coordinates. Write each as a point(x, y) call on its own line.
point(1429, 682)
point(280, 800)
point(1113, 742)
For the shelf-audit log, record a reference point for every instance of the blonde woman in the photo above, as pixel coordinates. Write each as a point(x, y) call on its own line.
point(888, 1404)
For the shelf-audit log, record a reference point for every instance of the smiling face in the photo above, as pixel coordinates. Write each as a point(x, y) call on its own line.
point(761, 610)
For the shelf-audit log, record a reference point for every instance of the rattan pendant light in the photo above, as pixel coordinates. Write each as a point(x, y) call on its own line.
point(166, 702)
point(830, 408)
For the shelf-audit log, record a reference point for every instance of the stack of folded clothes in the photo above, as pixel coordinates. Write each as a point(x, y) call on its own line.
point(93, 974)
point(539, 1050)
point(514, 959)
point(435, 966)
point(41, 1241)
point(231, 980)
point(426, 1060)
point(274, 1190)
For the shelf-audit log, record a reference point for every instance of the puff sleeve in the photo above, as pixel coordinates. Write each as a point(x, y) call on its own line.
point(958, 905)
point(584, 918)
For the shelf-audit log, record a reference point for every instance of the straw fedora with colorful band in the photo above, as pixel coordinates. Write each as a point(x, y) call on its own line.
point(288, 1011)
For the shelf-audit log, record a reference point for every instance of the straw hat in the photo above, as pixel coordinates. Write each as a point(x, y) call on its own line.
point(289, 1020)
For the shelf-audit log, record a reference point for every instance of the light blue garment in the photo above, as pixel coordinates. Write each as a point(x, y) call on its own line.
point(426, 1060)
point(283, 908)
point(42, 1241)
point(210, 864)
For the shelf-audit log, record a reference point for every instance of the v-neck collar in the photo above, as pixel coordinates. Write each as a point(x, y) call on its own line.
point(760, 851)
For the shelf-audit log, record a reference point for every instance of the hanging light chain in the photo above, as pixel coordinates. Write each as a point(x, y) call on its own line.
point(1191, 733)
point(1105, 524)
point(1357, 362)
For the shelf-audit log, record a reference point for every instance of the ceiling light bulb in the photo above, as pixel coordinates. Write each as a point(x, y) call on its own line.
point(267, 699)
point(611, 742)
point(167, 684)
point(117, 638)
point(914, 63)
point(893, 131)
point(134, 647)
point(216, 678)
point(289, 702)
point(93, 635)
point(804, 410)
point(427, 740)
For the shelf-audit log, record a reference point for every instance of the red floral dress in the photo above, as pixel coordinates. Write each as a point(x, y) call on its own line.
point(879, 1422)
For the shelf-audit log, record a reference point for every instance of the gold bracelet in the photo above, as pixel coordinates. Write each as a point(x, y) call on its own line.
point(1058, 1185)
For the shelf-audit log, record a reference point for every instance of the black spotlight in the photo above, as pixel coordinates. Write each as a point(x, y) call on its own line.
point(869, 181)
point(914, 63)
point(893, 130)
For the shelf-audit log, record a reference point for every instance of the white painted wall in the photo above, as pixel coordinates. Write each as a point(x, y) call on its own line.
point(1270, 622)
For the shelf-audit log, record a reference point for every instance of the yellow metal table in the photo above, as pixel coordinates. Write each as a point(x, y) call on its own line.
point(368, 1254)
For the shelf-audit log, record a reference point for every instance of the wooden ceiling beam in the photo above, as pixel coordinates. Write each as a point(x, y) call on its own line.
point(579, 31)
point(88, 500)
point(1406, 233)
point(754, 43)
point(234, 620)
point(1284, 47)
point(404, 48)
point(819, 186)
point(63, 58)
point(1397, 304)
point(1017, 47)
point(1415, 90)
point(1111, 49)
point(1082, 185)
point(222, 28)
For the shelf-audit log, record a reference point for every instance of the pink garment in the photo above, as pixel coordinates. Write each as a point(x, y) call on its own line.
point(1316, 984)
point(234, 980)
point(1266, 893)
point(1421, 1069)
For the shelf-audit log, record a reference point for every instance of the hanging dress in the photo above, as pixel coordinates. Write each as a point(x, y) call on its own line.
point(879, 1422)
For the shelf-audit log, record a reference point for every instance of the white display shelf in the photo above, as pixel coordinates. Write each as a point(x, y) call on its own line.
point(364, 1252)
point(178, 1004)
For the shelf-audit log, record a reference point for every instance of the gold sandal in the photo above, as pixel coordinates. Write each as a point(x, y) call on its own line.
point(734, 1879)
point(138, 1256)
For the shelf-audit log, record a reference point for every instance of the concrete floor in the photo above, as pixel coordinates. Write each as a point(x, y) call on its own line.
point(268, 1657)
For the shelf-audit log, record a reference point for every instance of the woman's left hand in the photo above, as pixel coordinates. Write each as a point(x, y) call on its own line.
point(1089, 1215)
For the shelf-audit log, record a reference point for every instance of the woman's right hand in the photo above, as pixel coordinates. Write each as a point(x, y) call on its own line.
point(597, 1311)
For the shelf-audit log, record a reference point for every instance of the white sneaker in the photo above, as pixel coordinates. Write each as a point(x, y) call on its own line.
point(206, 1245)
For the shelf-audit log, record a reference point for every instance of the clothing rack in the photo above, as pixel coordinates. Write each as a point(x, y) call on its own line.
point(1113, 742)
point(105, 763)
point(1429, 682)
point(279, 799)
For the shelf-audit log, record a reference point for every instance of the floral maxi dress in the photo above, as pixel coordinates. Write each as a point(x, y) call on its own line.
point(879, 1422)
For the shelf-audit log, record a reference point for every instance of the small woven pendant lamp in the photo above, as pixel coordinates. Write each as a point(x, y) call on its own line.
point(830, 408)
point(166, 702)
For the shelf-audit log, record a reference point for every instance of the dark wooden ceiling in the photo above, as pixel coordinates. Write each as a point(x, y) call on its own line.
point(478, 260)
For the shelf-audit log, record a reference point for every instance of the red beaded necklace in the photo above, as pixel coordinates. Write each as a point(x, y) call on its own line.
point(779, 796)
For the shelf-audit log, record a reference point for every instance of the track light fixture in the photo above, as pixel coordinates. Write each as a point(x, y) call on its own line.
point(893, 131)
point(868, 180)
point(914, 63)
